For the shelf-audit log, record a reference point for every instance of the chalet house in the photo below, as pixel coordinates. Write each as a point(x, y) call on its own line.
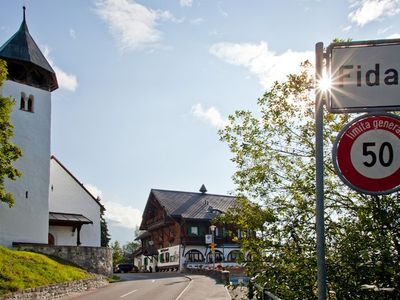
point(175, 226)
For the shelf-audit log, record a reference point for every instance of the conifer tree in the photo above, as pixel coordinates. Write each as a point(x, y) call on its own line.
point(105, 235)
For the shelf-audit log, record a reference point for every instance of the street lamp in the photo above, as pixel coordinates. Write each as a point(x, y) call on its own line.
point(212, 228)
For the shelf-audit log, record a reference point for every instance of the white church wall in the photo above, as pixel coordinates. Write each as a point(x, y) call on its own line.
point(63, 235)
point(27, 220)
point(67, 196)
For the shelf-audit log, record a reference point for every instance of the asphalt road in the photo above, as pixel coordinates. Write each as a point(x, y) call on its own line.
point(157, 286)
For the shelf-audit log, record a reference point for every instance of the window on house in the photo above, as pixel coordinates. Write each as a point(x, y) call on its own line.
point(194, 256)
point(26, 103)
point(22, 102)
point(219, 257)
point(193, 230)
point(233, 256)
point(30, 103)
point(217, 232)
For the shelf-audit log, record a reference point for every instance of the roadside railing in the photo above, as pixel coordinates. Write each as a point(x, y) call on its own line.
point(261, 290)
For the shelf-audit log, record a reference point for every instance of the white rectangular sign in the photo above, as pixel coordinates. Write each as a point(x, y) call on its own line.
point(365, 76)
point(208, 238)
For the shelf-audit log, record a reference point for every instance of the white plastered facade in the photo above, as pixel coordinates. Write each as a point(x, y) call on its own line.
point(69, 196)
point(28, 219)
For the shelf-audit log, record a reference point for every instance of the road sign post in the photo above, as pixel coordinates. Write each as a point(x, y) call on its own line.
point(319, 174)
point(364, 78)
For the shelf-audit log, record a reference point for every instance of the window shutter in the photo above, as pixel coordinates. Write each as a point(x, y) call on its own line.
point(201, 231)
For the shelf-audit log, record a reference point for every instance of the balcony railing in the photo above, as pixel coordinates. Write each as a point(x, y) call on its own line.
point(200, 240)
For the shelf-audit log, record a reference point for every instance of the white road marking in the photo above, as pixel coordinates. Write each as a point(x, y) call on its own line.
point(128, 294)
point(180, 295)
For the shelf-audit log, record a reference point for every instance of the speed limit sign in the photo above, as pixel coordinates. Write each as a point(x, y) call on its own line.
point(366, 154)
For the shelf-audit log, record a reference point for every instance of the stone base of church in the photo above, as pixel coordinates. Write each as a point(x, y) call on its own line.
point(93, 259)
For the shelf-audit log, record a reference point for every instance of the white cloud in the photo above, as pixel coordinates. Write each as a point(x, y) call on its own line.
point(95, 191)
point(197, 21)
point(122, 215)
point(210, 115)
point(259, 60)
point(394, 36)
point(72, 33)
point(366, 11)
point(347, 28)
point(186, 3)
point(66, 81)
point(384, 30)
point(165, 15)
point(223, 12)
point(117, 214)
point(133, 25)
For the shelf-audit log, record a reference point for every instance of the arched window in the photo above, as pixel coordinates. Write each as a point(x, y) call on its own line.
point(26, 103)
point(219, 257)
point(234, 255)
point(23, 102)
point(30, 104)
point(194, 256)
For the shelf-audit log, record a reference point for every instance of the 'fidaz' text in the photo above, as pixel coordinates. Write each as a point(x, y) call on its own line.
point(356, 75)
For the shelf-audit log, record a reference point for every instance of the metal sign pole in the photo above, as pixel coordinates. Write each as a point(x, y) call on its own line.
point(319, 177)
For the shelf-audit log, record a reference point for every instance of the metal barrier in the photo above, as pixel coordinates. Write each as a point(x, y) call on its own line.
point(265, 295)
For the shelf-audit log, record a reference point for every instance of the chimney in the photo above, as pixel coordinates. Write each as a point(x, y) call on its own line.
point(203, 189)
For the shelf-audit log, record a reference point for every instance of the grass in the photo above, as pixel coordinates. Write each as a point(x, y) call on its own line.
point(20, 270)
point(114, 278)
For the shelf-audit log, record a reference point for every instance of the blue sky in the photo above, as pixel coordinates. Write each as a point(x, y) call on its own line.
point(145, 85)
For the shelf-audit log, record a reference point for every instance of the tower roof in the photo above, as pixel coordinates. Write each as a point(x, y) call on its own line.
point(22, 49)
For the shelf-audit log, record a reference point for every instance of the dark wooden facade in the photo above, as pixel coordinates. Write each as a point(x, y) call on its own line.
point(166, 231)
point(174, 228)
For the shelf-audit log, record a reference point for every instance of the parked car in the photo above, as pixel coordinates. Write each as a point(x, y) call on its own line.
point(123, 268)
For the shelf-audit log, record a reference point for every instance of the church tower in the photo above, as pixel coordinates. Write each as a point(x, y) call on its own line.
point(30, 82)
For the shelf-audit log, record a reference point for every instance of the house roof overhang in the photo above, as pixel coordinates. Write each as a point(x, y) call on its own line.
point(65, 219)
point(143, 236)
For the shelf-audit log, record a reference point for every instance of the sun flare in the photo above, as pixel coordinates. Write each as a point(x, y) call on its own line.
point(325, 83)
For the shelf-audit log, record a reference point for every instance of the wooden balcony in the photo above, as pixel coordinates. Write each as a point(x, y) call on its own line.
point(200, 240)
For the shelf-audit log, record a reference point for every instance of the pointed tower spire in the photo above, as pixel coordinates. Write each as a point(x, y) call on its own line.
point(203, 189)
point(22, 53)
point(23, 26)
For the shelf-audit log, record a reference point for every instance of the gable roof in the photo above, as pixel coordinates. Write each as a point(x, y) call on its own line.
point(188, 205)
point(78, 182)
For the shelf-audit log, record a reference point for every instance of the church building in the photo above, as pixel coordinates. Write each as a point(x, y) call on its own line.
point(51, 205)
point(30, 82)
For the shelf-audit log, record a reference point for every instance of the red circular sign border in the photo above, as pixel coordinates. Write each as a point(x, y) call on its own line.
point(346, 168)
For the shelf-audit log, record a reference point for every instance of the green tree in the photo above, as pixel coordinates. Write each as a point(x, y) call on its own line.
point(9, 152)
point(128, 249)
point(105, 235)
point(273, 150)
point(117, 253)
